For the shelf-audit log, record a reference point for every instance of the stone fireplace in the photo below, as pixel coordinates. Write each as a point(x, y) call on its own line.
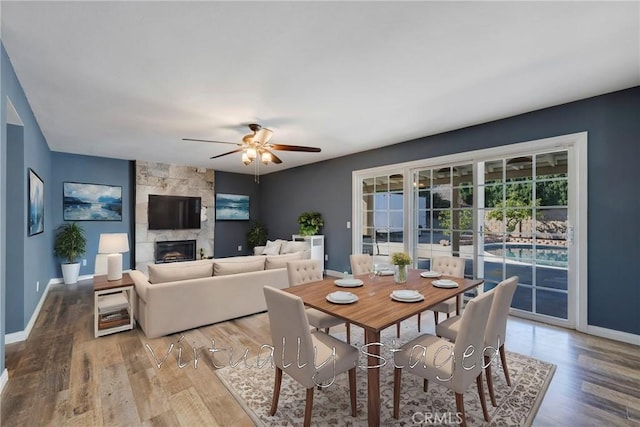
point(175, 251)
point(172, 180)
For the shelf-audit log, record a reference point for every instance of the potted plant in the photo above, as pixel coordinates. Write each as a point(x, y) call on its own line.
point(257, 235)
point(401, 260)
point(310, 223)
point(70, 244)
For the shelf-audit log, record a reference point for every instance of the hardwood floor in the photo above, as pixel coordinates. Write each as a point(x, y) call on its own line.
point(62, 375)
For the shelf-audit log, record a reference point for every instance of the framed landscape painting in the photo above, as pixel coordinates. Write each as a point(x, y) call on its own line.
point(232, 206)
point(35, 220)
point(91, 202)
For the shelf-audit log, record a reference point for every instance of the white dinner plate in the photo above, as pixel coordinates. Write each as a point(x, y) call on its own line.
point(445, 283)
point(417, 298)
point(406, 294)
point(341, 297)
point(348, 283)
point(430, 274)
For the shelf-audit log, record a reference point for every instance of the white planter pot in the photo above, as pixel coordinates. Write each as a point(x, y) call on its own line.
point(70, 273)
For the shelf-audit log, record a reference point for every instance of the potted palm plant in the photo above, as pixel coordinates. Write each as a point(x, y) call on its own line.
point(70, 244)
point(256, 235)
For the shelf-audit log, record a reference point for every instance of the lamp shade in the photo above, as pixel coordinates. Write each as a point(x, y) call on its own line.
point(112, 243)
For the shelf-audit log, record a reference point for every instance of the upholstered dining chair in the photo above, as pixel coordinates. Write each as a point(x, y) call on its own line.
point(454, 365)
point(494, 335)
point(309, 270)
point(360, 263)
point(448, 266)
point(293, 341)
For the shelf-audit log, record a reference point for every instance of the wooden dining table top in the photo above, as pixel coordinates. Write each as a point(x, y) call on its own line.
point(375, 310)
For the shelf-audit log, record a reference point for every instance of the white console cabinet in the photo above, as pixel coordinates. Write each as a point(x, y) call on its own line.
point(316, 244)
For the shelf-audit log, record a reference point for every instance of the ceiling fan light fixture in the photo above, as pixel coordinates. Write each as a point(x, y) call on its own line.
point(266, 157)
point(245, 158)
point(252, 153)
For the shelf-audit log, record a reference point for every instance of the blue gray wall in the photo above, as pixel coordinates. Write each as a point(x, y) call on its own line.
point(28, 151)
point(94, 170)
point(228, 235)
point(613, 124)
point(3, 204)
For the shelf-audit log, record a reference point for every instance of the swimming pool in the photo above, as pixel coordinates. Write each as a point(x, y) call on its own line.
point(544, 255)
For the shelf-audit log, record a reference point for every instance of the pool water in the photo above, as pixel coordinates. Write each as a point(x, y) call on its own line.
point(544, 255)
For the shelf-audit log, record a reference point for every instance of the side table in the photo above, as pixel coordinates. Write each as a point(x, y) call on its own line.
point(114, 303)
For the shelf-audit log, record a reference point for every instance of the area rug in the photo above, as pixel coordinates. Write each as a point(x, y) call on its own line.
point(517, 405)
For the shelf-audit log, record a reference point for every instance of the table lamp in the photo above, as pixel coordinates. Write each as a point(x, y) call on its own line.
point(114, 244)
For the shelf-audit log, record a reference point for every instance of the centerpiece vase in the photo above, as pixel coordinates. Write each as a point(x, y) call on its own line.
point(400, 274)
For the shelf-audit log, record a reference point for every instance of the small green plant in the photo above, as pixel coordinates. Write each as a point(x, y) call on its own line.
point(70, 242)
point(310, 223)
point(256, 235)
point(400, 258)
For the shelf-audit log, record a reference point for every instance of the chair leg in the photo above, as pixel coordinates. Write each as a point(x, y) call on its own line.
point(425, 385)
point(460, 409)
point(276, 391)
point(435, 317)
point(398, 329)
point(326, 330)
point(448, 314)
point(487, 371)
point(483, 401)
point(352, 390)
point(503, 359)
point(397, 377)
point(307, 407)
point(419, 320)
point(348, 326)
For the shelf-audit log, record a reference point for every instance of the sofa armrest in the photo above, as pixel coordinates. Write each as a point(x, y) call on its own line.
point(258, 250)
point(141, 283)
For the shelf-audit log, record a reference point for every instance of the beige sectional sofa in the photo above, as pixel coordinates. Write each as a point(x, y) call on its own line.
point(184, 295)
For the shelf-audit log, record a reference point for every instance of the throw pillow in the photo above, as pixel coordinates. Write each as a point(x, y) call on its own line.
point(162, 273)
point(280, 261)
point(235, 265)
point(272, 248)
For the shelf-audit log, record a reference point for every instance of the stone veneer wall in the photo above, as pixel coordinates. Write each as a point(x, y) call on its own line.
point(172, 180)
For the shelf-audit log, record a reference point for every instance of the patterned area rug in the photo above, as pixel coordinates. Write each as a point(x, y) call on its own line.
point(517, 405)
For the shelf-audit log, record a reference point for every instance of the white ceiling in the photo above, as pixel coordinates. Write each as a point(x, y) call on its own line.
point(130, 79)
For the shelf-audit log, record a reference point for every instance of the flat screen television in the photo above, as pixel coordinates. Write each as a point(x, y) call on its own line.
point(173, 212)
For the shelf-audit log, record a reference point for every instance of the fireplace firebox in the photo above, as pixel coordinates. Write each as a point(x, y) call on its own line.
point(175, 251)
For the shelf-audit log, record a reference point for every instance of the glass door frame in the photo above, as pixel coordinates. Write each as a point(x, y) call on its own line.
point(575, 144)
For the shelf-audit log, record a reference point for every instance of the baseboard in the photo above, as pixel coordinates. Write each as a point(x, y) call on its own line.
point(23, 335)
point(4, 379)
point(613, 334)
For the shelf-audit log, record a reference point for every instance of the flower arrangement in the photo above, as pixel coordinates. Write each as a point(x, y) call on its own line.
point(400, 258)
point(310, 223)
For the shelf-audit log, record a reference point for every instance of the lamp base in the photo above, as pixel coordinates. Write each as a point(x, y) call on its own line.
point(114, 267)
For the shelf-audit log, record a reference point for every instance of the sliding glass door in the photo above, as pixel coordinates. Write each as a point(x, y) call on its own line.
point(507, 212)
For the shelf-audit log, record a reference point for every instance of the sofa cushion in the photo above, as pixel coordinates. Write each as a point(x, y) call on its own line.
point(161, 273)
point(280, 261)
point(290, 247)
point(235, 265)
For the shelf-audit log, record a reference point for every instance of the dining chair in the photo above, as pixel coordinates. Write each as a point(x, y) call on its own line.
point(495, 333)
point(448, 266)
point(309, 270)
point(360, 263)
point(453, 365)
point(318, 357)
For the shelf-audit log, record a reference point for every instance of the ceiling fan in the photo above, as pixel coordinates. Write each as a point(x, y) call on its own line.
point(256, 146)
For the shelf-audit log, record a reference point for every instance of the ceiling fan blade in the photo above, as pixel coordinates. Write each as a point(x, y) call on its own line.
point(207, 140)
point(274, 158)
point(282, 147)
point(230, 152)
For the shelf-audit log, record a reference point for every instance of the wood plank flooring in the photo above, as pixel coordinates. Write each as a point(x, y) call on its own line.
point(62, 375)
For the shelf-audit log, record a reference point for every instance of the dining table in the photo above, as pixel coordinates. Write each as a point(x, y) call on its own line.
point(375, 310)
